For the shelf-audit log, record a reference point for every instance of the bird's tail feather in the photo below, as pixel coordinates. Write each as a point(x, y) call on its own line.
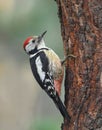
point(62, 108)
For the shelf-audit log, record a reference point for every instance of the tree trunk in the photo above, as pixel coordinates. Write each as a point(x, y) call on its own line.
point(81, 28)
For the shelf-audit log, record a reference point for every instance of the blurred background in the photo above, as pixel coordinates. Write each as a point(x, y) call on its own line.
point(23, 105)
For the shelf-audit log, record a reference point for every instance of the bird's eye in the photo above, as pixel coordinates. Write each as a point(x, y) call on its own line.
point(33, 41)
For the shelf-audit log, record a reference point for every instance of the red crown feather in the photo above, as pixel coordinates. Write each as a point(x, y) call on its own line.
point(27, 41)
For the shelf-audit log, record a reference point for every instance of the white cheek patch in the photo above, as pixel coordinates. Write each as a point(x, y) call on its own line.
point(29, 47)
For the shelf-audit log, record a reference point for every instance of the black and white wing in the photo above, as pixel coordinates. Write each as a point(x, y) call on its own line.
point(40, 68)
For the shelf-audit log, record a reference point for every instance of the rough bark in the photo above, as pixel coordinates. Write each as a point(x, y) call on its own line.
point(81, 29)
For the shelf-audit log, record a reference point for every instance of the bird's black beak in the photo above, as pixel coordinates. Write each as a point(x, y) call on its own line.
point(41, 36)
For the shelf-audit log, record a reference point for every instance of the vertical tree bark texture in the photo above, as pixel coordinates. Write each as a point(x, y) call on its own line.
point(81, 28)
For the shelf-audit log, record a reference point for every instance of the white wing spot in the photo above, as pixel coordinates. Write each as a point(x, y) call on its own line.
point(49, 87)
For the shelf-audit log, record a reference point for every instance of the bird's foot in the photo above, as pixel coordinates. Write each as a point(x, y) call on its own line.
point(68, 56)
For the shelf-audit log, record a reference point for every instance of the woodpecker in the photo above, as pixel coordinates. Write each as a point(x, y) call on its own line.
point(47, 69)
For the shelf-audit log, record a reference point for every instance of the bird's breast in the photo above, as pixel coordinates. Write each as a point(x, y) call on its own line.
point(55, 64)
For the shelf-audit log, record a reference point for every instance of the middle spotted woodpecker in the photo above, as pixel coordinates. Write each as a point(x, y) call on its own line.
point(47, 69)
